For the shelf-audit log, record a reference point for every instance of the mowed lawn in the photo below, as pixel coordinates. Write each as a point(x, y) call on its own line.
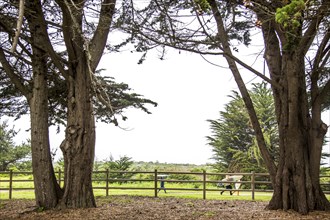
point(17, 193)
point(259, 196)
point(29, 194)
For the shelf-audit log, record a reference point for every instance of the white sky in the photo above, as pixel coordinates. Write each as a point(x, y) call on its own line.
point(188, 91)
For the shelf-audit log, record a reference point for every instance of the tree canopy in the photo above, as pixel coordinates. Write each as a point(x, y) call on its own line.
point(233, 140)
point(12, 103)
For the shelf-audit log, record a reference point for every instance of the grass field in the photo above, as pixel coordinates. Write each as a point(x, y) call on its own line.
point(29, 194)
point(214, 195)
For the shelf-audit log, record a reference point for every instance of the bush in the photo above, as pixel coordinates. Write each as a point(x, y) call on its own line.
point(182, 177)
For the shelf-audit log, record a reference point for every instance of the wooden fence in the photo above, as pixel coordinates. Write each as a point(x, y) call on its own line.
point(251, 181)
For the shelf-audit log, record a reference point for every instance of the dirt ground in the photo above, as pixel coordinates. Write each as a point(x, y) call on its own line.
point(143, 208)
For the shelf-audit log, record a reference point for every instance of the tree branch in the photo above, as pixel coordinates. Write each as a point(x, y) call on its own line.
point(320, 53)
point(14, 77)
point(100, 37)
point(312, 30)
point(245, 95)
point(56, 59)
point(19, 25)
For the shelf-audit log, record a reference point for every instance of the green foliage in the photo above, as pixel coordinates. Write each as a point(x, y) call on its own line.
point(40, 209)
point(203, 5)
point(12, 102)
point(24, 165)
point(11, 155)
point(198, 169)
point(161, 24)
point(325, 172)
point(290, 16)
point(124, 163)
point(182, 177)
point(233, 141)
point(121, 98)
point(59, 165)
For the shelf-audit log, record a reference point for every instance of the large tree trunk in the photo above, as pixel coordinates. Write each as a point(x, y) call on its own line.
point(47, 190)
point(297, 184)
point(79, 144)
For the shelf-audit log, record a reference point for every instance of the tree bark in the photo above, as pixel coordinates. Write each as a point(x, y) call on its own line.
point(297, 181)
point(47, 190)
point(79, 144)
point(297, 184)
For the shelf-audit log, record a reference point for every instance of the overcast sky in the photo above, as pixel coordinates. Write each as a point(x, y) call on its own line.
point(188, 91)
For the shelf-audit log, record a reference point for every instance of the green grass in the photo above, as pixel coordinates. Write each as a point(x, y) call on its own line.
point(215, 195)
point(22, 194)
point(259, 196)
point(29, 194)
point(17, 194)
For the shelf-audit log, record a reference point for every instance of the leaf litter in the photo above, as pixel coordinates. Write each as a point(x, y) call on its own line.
point(145, 208)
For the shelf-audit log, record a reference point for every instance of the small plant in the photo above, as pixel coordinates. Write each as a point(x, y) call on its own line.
point(40, 209)
point(196, 185)
point(209, 213)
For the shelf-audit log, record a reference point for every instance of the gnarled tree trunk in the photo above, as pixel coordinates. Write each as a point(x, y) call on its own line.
point(83, 57)
point(297, 181)
point(78, 147)
point(301, 130)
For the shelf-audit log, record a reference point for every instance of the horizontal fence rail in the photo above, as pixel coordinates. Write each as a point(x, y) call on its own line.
point(205, 182)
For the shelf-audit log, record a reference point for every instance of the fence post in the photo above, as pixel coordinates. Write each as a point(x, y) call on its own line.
point(59, 177)
point(204, 184)
point(10, 184)
point(253, 184)
point(107, 182)
point(156, 182)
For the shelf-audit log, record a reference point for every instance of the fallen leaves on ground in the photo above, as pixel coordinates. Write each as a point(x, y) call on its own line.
point(144, 208)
